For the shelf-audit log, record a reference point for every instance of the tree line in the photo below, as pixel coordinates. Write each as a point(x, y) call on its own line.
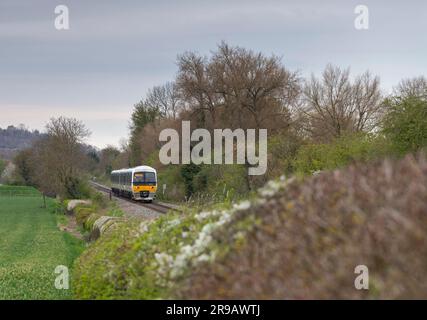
point(234, 87)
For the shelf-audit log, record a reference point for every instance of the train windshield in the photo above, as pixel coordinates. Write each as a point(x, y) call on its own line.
point(144, 178)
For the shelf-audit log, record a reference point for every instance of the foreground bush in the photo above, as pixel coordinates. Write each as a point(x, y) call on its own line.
point(146, 260)
point(294, 240)
point(314, 234)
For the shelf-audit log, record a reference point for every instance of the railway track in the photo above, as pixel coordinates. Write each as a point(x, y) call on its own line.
point(158, 207)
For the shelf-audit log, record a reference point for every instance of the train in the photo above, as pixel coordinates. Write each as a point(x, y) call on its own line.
point(139, 183)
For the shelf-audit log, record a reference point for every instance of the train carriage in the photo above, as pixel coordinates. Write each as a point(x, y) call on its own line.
point(139, 183)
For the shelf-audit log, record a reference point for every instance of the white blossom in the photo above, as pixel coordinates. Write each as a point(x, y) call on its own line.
point(244, 205)
point(206, 214)
point(173, 223)
point(171, 267)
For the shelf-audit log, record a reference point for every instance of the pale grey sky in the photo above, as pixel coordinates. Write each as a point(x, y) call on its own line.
point(116, 50)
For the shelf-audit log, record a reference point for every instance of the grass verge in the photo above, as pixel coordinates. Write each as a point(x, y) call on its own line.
point(31, 247)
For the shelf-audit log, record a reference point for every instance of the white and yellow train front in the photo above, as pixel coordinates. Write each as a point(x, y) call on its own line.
point(139, 183)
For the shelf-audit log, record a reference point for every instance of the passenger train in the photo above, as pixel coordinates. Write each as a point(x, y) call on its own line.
point(139, 183)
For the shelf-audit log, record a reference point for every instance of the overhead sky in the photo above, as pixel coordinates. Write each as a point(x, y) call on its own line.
point(115, 51)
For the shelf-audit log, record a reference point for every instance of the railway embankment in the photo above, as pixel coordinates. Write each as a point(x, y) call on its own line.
point(296, 238)
point(96, 216)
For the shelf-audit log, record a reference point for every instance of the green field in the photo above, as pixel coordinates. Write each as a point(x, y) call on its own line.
point(18, 191)
point(31, 246)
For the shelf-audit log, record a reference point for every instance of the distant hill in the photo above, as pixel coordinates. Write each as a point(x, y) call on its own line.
point(13, 139)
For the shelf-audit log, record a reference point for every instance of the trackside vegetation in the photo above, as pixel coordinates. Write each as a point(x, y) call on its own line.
point(2, 166)
point(360, 147)
point(144, 260)
point(293, 239)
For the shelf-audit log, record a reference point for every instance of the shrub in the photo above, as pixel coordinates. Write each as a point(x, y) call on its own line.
point(313, 234)
point(282, 150)
point(144, 260)
point(2, 166)
point(99, 200)
point(217, 182)
point(58, 207)
point(201, 179)
point(341, 152)
point(171, 177)
point(406, 125)
point(188, 172)
point(76, 188)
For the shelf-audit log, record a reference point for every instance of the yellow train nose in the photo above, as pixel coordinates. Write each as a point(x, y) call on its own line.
point(144, 188)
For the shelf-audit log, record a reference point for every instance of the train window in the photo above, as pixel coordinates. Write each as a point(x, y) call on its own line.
point(150, 177)
point(138, 177)
point(144, 178)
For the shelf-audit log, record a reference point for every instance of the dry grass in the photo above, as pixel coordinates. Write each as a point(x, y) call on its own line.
point(313, 234)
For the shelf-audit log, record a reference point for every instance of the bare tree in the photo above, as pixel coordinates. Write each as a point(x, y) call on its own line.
point(238, 88)
point(336, 105)
point(253, 86)
point(415, 87)
point(244, 87)
point(196, 87)
point(59, 158)
point(367, 101)
point(166, 99)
